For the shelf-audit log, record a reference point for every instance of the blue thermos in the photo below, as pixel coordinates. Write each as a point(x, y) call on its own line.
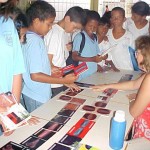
point(117, 130)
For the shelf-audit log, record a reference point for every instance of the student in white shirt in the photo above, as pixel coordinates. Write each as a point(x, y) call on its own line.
point(119, 55)
point(56, 41)
point(137, 24)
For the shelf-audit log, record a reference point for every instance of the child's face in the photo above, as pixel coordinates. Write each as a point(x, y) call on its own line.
point(102, 30)
point(91, 26)
point(42, 27)
point(71, 26)
point(137, 18)
point(117, 18)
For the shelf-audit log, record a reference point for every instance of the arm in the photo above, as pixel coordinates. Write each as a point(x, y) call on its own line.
point(54, 68)
point(128, 85)
point(142, 99)
point(41, 77)
point(17, 86)
point(76, 57)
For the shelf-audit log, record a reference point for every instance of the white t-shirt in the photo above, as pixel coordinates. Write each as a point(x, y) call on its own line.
point(56, 40)
point(129, 25)
point(120, 54)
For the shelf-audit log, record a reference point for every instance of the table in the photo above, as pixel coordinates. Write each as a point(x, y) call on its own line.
point(98, 136)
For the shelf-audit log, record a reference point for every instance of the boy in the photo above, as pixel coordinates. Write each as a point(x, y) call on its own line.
point(57, 41)
point(119, 56)
point(37, 79)
point(91, 50)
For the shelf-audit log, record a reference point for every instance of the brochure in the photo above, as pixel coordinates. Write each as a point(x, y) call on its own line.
point(15, 116)
point(104, 52)
point(77, 70)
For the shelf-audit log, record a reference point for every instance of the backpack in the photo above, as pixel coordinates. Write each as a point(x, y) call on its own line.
point(69, 60)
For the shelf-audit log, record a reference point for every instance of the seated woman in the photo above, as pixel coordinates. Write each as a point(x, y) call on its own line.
point(140, 106)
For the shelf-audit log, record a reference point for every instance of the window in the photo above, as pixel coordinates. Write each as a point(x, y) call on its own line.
point(61, 6)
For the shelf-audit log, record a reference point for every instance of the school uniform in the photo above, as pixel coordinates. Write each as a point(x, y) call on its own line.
point(55, 41)
point(130, 26)
point(90, 49)
point(11, 58)
point(119, 54)
point(36, 61)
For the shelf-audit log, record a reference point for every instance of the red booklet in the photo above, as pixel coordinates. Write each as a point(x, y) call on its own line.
point(76, 70)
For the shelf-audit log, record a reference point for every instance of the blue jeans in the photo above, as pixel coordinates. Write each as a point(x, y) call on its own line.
point(29, 103)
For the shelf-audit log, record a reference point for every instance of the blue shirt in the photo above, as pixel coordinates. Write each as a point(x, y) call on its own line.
point(90, 49)
point(36, 61)
point(11, 58)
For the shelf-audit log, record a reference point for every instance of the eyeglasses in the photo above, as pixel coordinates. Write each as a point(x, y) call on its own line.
point(137, 52)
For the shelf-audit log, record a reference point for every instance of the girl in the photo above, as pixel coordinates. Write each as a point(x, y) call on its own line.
point(10, 55)
point(137, 24)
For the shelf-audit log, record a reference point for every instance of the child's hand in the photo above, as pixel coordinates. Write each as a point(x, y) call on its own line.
point(5, 130)
point(115, 69)
point(99, 68)
point(5, 102)
point(33, 120)
point(98, 58)
point(73, 87)
point(105, 57)
point(56, 72)
point(70, 78)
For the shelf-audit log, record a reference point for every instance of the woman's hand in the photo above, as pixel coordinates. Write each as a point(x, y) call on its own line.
point(99, 87)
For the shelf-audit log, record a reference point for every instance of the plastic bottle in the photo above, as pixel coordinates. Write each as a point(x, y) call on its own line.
point(117, 131)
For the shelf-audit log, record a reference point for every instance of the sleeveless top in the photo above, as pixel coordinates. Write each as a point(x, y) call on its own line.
point(141, 124)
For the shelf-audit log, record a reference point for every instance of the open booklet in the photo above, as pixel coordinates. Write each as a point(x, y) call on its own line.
point(16, 115)
point(104, 52)
point(77, 70)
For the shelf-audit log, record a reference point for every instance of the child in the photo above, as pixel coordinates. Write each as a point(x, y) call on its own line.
point(57, 41)
point(140, 106)
point(37, 79)
point(91, 50)
point(119, 56)
point(137, 24)
point(11, 54)
point(103, 42)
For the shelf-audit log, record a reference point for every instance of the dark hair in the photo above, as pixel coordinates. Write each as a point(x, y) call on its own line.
point(104, 21)
point(92, 15)
point(15, 12)
point(21, 22)
point(40, 9)
point(141, 8)
point(119, 9)
point(77, 14)
point(7, 8)
point(107, 14)
point(142, 43)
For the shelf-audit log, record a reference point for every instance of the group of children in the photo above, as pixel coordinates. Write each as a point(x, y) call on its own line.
point(46, 46)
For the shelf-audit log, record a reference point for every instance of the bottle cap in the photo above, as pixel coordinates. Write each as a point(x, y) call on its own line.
point(119, 116)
